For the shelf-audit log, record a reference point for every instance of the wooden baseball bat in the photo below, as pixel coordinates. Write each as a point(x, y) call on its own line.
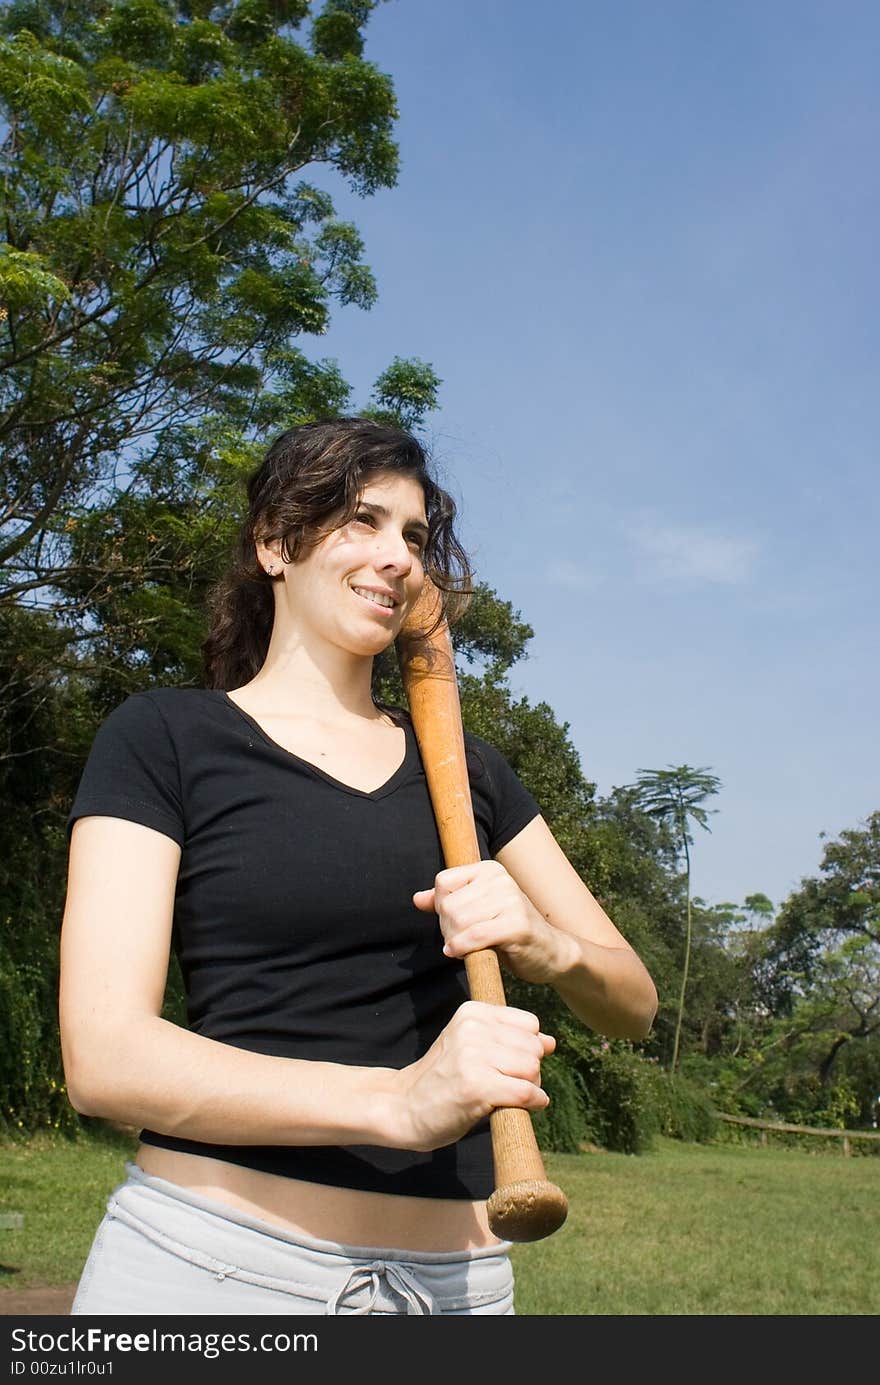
point(524, 1205)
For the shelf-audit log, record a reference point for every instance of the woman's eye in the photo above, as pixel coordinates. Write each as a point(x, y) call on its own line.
point(364, 518)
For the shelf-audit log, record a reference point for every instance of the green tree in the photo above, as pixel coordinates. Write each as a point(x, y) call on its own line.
point(167, 237)
point(632, 872)
point(164, 244)
point(677, 795)
point(820, 969)
point(735, 934)
point(843, 901)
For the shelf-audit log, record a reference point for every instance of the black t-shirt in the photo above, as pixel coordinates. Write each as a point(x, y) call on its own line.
point(293, 917)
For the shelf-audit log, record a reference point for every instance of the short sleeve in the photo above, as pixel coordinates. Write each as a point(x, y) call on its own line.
point(512, 806)
point(132, 771)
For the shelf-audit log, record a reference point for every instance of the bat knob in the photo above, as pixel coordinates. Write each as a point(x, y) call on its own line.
point(527, 1211)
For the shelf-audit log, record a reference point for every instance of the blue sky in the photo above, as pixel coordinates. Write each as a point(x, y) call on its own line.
point(638, 243)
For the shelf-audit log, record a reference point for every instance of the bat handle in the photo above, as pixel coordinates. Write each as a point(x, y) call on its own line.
point(525, 1206)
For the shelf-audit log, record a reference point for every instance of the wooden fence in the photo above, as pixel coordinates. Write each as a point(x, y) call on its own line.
point(781, 1127)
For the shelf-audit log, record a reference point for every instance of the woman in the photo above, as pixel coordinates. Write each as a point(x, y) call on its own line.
point(316, 1141)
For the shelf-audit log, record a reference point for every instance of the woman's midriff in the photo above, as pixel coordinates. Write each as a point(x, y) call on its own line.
point(346, 1215)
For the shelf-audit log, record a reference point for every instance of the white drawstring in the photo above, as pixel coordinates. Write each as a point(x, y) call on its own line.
point(419, 1302)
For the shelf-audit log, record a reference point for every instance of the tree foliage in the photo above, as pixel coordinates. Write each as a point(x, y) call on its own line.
point(168, 236)
point(676, 795)
point(842, 902)
point(821, 974)
point(166, 239)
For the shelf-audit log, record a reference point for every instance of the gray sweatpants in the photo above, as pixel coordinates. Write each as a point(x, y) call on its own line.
point(164, 1250)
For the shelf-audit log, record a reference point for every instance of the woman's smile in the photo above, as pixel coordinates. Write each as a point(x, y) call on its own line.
point(376, 603)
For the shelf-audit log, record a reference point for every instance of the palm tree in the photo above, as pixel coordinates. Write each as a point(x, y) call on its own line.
point(676, 795)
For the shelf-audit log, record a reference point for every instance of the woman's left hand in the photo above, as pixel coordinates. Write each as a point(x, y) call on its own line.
point(481, 906)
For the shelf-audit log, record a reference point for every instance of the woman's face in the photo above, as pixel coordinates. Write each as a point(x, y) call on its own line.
point(378, 553)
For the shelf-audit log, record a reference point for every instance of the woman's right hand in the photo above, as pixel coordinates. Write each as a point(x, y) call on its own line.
point(487, 1056)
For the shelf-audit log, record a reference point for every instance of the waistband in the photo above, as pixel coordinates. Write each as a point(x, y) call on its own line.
point(231, 1244)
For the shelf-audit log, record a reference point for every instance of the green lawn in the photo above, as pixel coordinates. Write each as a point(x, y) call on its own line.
point(686, 1229)
point(719, 1229)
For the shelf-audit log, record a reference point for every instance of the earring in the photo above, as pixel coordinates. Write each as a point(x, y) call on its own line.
point(270, 571)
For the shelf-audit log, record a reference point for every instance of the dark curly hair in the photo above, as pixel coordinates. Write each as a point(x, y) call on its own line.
point(308, 484)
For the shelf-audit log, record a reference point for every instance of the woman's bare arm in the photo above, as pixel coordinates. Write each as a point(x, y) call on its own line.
point(530, 904)
point(586, 959)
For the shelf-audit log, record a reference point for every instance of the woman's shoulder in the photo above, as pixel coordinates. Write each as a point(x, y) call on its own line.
point(169, 695)
point(176, 706)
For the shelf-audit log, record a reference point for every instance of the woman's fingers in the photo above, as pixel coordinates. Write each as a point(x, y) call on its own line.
point(481, 906)
point(487, 1056)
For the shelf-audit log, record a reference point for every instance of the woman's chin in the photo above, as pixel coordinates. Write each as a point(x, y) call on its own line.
point(367, 647)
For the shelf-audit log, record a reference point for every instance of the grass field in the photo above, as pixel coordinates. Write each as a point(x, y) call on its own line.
point(684, 1230)
point(720, 1229)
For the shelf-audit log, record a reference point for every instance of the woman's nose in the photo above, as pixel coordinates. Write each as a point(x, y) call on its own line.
point(394, 549)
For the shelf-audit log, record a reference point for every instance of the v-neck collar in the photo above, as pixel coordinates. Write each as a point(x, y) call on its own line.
point(401, 773)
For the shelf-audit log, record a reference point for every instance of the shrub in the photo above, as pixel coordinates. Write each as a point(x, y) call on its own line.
point(617, 1090)
point(684, 1110)
point(562, 1126)
point(32, 1091)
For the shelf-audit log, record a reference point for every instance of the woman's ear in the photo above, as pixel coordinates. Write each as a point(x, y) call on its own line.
point(269, 555)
